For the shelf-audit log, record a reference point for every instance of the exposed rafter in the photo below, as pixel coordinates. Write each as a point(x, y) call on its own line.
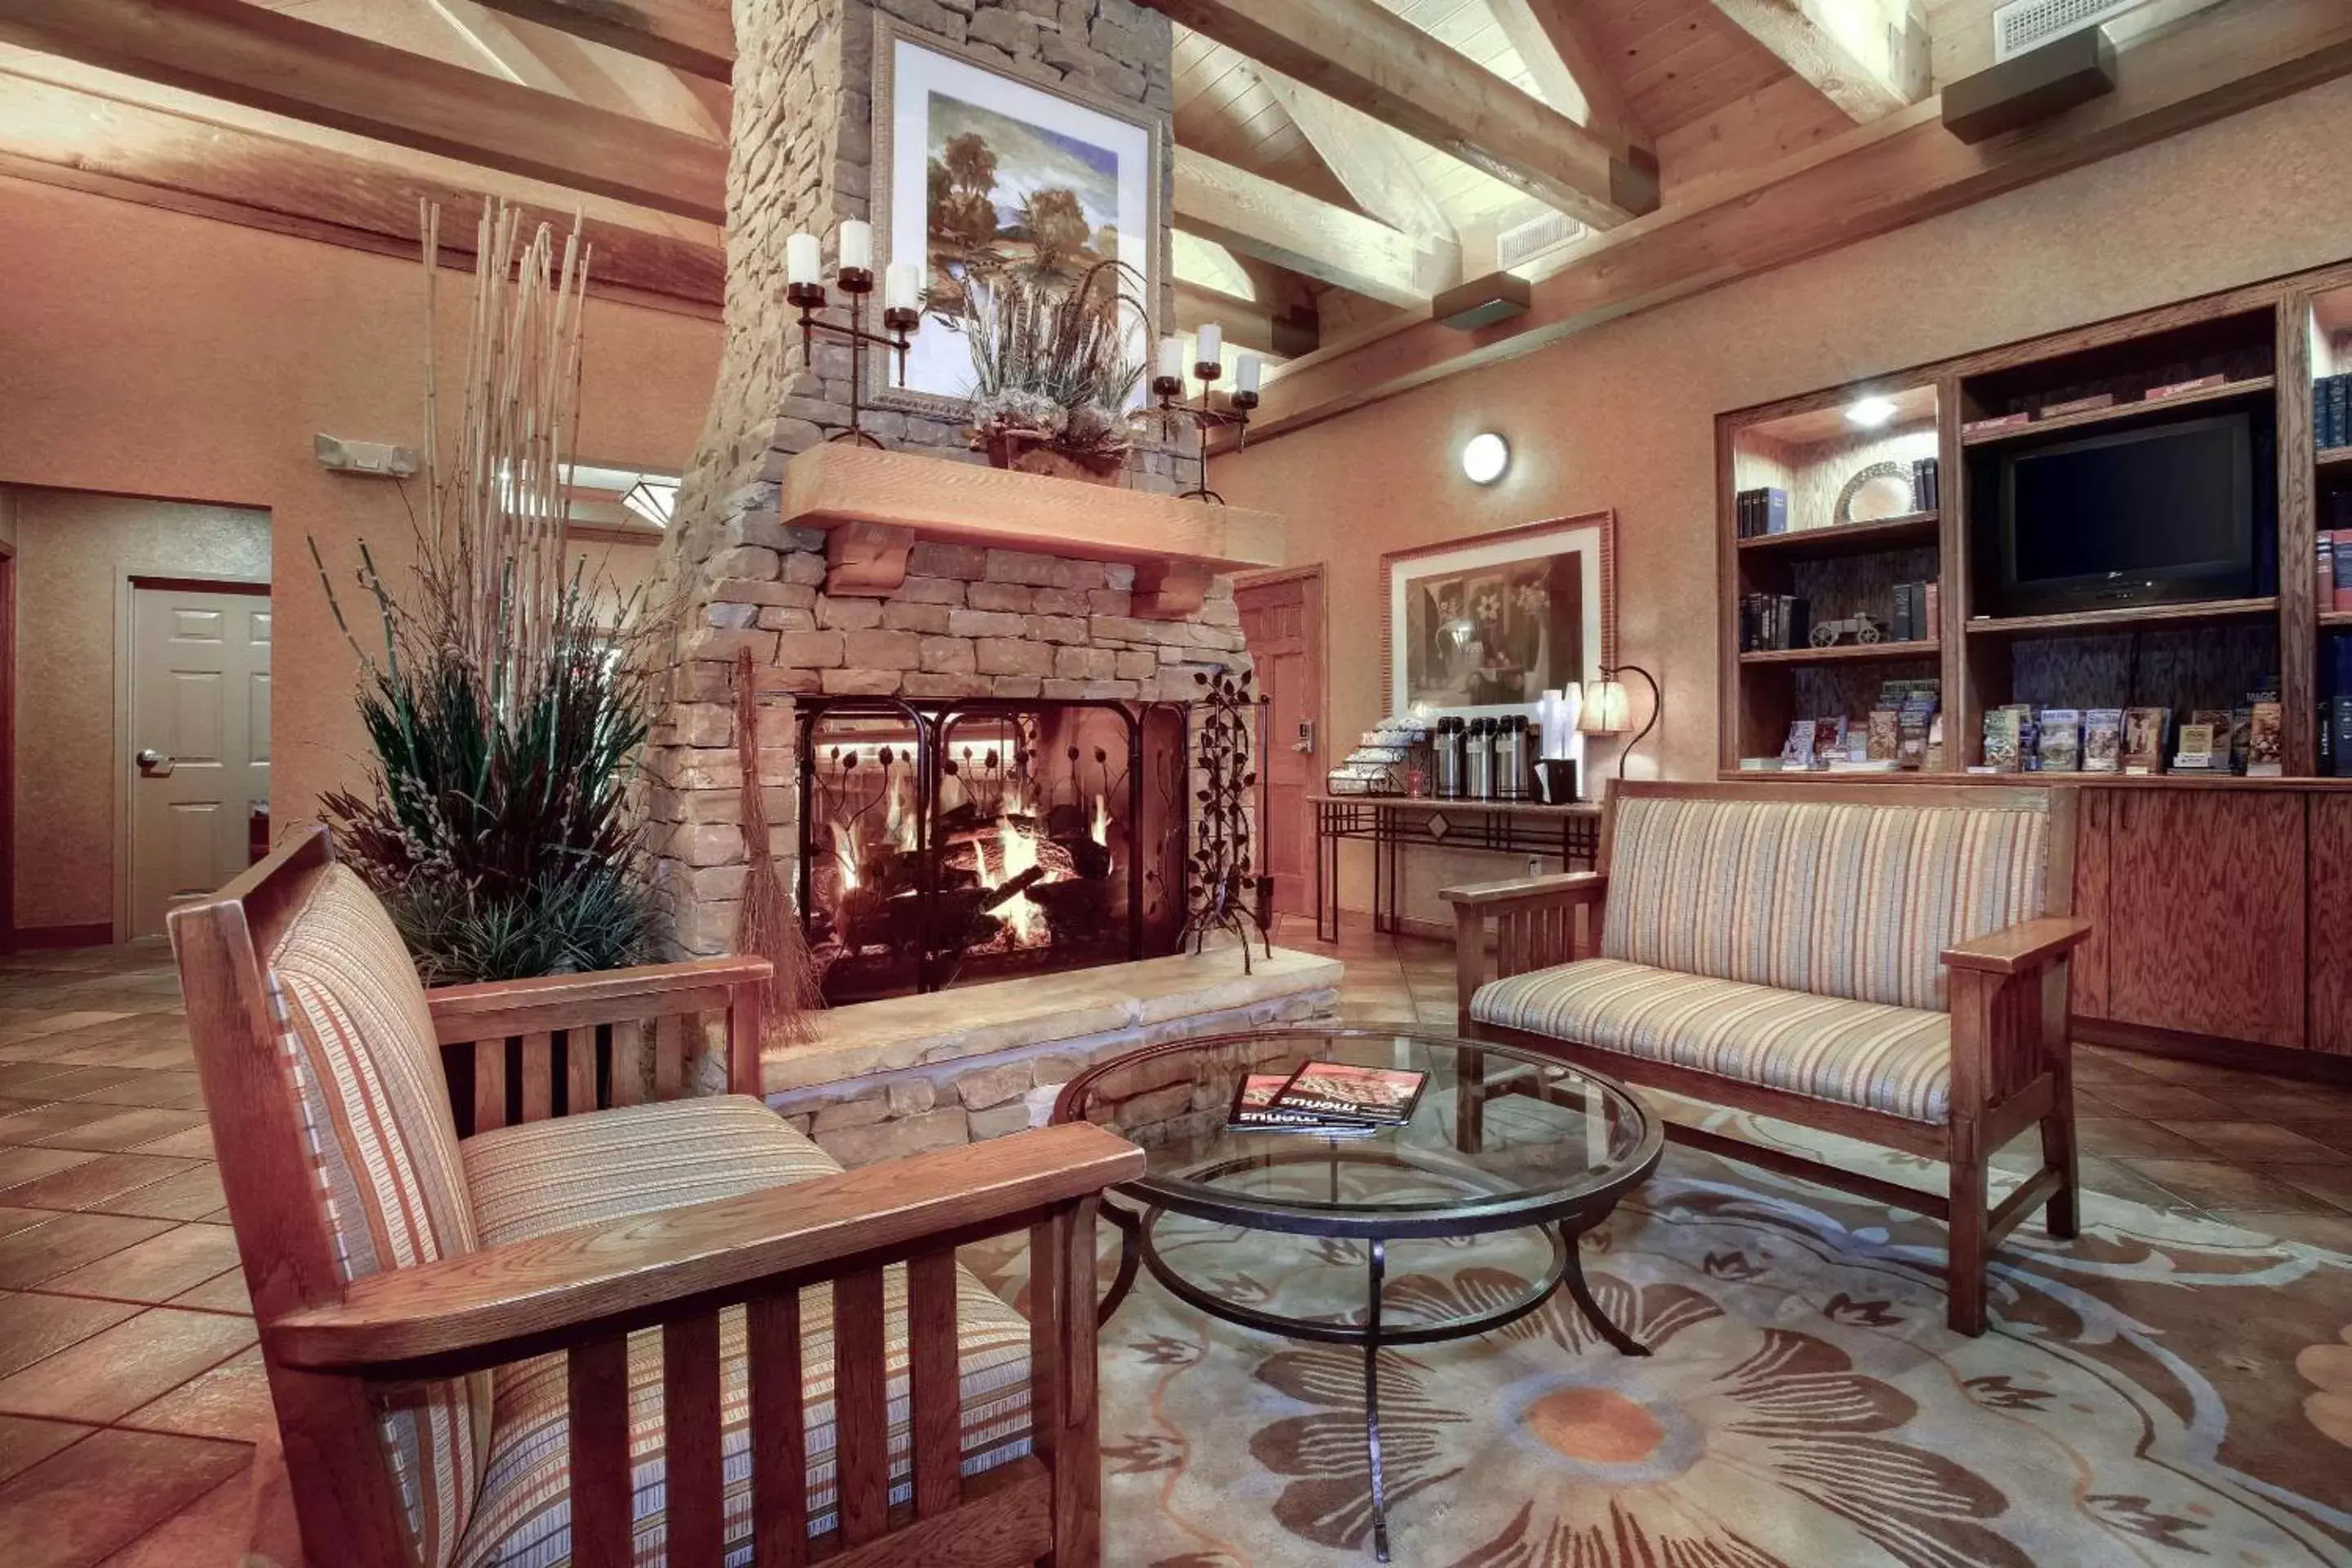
point(1367, 56)
point(1260, 217)
point(697, 36)
point(1554, 38)
point(1366, 158)
point(157, 157)
point(267, 59)
point(1247, 323)
point(1871, 180)
point(1865, 62)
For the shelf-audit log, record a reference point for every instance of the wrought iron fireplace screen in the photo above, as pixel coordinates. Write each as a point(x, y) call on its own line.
point(971, 839)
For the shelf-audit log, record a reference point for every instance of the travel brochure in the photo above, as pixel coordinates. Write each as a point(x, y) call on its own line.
point(1334, 1099)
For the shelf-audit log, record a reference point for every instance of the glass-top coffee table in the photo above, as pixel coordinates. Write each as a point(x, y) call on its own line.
point(1501, 1141)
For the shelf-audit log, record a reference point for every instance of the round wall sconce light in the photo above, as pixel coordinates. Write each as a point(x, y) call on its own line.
point(1484, 459)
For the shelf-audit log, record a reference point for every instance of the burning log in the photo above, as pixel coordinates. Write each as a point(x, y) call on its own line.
point(1013, 888)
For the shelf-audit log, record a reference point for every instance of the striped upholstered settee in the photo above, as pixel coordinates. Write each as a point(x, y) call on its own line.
point(1886, 961)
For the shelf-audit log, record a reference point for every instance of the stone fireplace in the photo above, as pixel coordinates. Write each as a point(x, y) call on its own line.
point(914, 598)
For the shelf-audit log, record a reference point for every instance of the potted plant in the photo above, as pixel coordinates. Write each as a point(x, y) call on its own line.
point(1053, 369)
point(510, 693)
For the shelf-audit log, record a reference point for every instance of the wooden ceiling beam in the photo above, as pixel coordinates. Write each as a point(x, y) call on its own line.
point(693, 35)
point(1870, 181)
point(1247, 323)
point(1365, 157)
point(156, 157)
point(1869, 66)
point(1261, 218)
point(1555, 40)
point(1367, 56)
point(267, 59)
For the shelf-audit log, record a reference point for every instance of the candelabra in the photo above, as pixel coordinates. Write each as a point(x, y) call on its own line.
point(898, 320)
point(1203, 415)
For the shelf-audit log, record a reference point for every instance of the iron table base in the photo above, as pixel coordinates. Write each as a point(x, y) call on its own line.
point(1138, 1249)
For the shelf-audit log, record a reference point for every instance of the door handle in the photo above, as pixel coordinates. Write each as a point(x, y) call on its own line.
point(154, 764)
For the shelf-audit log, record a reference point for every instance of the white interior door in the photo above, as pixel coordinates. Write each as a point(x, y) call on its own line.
point(199, 741)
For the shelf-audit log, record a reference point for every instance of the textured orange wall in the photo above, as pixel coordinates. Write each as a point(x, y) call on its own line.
point(1623, 416)
point(149, 353)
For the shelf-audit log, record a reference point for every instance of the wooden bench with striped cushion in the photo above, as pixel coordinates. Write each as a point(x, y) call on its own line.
point(1884, 959)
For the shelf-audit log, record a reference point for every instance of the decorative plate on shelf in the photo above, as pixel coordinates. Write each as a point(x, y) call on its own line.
point(1879, 491)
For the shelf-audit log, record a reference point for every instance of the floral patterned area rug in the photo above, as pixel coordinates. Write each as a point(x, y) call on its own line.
point(2163, 1390)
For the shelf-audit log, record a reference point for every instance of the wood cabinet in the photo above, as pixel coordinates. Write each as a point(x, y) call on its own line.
point(2330, 988)
point(2206, 902)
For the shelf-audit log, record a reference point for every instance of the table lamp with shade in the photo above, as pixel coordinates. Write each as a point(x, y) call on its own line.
point(1608, 708)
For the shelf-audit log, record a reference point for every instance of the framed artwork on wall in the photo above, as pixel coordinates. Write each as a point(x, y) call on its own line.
point(1482, 627)
point(986, 171)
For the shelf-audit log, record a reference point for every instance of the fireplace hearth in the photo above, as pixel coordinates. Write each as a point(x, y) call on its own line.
point(947, 843)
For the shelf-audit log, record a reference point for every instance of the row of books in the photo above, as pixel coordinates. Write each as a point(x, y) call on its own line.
point(2249, 739)
point(2331, 411)
point(1918, 612)
point(1903, 733)
point(1330, 1099)
point(2334, 577)
point(1776, 621)
point(1773, 621)
point(1764, 510)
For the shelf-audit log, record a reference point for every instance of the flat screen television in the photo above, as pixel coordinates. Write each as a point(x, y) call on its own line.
point(2155, 515)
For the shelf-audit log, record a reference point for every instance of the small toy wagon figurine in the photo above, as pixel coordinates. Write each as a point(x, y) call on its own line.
point(1862, 628)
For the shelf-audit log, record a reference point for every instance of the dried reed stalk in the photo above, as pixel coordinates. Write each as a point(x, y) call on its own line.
point(765, 924)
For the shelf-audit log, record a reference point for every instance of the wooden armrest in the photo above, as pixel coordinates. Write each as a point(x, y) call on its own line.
point(1561, 887)
point(2014, 950)
point(472, 1310)
point(499, 1007)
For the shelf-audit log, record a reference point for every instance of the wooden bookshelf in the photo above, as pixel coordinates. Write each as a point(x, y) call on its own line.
point(2090, 418)
point(2335, 620)
point(1888, 652)
point(2329, 458)
point(1841, 537)
point(2197, 613)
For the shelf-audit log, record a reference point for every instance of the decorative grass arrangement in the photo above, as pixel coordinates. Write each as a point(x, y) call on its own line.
point(1052, 366)
point(765, 925)
point(506, 714)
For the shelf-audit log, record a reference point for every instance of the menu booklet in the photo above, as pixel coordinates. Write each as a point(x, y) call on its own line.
point(1381, 1096)
point(1254, 1112)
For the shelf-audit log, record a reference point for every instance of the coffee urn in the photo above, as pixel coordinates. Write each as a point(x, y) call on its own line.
point(1479, 773)
point(1511, 773)
point(1446, 745)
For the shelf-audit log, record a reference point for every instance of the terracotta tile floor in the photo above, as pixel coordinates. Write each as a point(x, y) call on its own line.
point(130, 1391)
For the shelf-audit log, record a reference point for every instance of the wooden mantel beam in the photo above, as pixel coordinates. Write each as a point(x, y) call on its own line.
point(268, 59)
point(1866, 64)
point(1870, 181)
point(1275, 223)
point(693, 35)
point(1369, 58)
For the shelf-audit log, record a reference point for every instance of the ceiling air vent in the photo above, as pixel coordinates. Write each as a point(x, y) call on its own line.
point(2023, 24)
point(1524, 242)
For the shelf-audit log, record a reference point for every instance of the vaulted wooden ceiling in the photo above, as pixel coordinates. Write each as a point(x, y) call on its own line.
point(1340, 162)
point(1295, 201)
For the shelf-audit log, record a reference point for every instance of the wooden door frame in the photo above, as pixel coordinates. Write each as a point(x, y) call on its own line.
point(1318, 640)
point(126, 649)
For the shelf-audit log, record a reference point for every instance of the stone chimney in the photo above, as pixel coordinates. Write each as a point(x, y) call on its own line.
point(962, 620)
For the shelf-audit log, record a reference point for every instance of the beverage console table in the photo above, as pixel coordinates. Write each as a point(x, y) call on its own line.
point(1394, 823)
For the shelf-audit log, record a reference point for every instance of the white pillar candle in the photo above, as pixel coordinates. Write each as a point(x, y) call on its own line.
point(857, 244)
point(803, 260)
point(1211, 343)
point(1246, 372)
point(904, 288)
point(1171, 358)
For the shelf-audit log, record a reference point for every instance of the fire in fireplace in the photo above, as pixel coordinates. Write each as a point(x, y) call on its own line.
point(945, 842)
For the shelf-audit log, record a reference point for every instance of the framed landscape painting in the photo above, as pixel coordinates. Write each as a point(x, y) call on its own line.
point(987, 172)
point(1482, 627)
